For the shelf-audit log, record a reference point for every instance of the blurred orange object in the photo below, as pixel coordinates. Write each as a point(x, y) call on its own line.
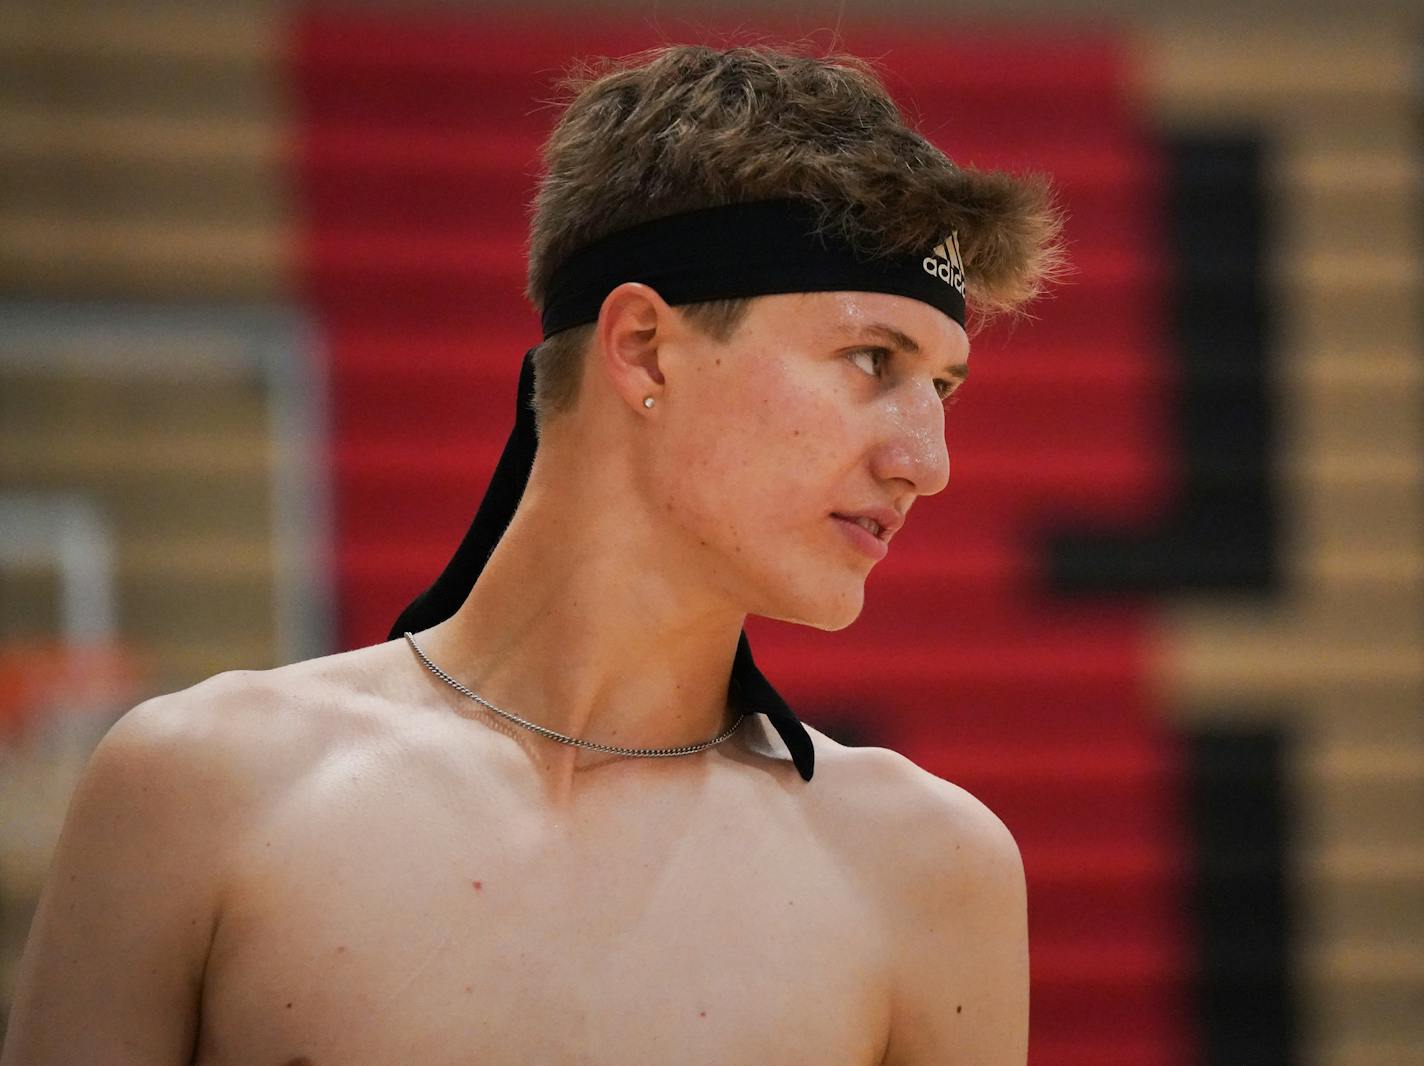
point(40, 678)
point(57, 700)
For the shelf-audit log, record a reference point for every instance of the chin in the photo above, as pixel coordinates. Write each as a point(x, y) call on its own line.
point(821, 610)
point(836, 624)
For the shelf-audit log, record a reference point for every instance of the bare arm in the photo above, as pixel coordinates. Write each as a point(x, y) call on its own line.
point(112, 970)
point(963, 978)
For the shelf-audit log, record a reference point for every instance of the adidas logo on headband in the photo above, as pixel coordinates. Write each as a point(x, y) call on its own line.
point(946, 263)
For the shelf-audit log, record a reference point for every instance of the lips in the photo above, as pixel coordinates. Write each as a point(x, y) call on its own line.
point(887, 518)
point(860, 538)
point(869, 524)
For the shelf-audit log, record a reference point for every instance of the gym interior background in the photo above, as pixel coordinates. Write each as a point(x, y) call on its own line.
point(261, 319)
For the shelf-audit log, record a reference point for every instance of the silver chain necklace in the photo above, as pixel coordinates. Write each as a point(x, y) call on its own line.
point(644, 752)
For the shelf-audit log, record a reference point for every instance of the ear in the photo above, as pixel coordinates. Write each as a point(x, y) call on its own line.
point(633, 323)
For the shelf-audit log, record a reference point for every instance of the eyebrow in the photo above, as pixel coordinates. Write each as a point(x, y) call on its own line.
point(903, 341)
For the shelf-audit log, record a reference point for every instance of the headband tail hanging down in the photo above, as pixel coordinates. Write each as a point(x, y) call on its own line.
point(442, 599)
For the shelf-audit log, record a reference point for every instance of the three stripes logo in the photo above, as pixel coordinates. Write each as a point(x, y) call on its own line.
point(946, 263)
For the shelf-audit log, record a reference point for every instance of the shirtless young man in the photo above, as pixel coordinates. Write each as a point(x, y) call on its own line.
point(347, 861)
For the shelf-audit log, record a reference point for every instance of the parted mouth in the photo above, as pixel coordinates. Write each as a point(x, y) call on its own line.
point(866, 523)
point(879, 522)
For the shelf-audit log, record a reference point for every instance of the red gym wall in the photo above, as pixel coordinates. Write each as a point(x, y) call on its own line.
point(1165, 620)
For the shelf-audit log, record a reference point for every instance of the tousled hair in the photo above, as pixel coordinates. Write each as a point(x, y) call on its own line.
point(678, 128)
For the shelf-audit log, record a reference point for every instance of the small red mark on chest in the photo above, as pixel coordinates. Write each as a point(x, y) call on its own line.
point(702, 1014)
point(478, 885)
point(340, 947)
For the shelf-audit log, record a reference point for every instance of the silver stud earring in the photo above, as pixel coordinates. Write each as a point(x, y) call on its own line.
point(647, 401)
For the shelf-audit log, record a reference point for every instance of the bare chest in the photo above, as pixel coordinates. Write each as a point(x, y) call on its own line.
point(378, 921)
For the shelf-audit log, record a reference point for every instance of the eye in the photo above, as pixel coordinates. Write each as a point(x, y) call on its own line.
point(878, 356)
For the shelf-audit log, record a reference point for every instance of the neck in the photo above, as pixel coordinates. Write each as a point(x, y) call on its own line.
point(585, 621)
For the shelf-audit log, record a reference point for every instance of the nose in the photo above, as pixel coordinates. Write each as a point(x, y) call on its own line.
point(913, 448)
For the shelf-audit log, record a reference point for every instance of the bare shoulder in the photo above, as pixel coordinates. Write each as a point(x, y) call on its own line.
point(953, 901)
point(915, 821)
point(232, 751)
point(241, 738)
point(114, 966)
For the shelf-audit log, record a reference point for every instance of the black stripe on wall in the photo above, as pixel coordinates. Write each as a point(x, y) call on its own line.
point(1222, 533)
point(1238, 797)
point(1220, 539)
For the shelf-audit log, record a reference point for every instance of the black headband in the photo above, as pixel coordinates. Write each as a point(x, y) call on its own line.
point(749, 249)
point(745, 249)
